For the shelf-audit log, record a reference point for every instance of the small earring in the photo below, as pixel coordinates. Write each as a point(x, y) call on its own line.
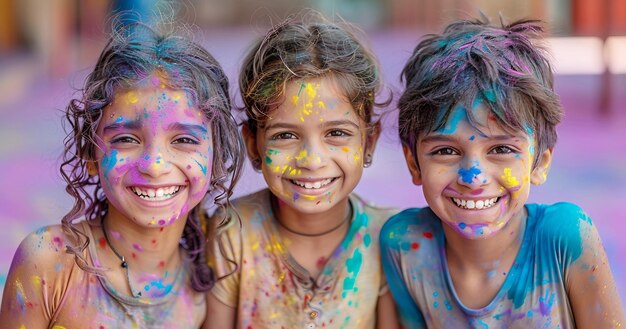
point(256, 164)
point(92, 169)
point(368, 161)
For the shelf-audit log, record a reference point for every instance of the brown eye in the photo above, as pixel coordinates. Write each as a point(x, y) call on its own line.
point(338, 133)
point(185, 140)
point(124, 140)
point(502, 149)
point(285, 135)
point(444, 151)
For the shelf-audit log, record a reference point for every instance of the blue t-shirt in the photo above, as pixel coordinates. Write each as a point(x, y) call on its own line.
point(533, 294)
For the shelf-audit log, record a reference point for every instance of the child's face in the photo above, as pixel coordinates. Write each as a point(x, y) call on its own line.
point(476, 178)
point(312, 146)
point(155, 155)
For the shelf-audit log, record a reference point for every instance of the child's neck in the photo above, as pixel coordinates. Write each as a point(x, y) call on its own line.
point(478, 268)
point(311, 225)
point(151, 251)
point(504, 244)
point(313, 237)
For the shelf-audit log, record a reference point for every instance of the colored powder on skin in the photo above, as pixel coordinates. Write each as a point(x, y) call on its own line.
point(472, 137)
point(296, 196)
point(302, 86)
point(58, 241)
point(509, 180)
point(531, 146)
point(132, 97)
point(203, 168)
point(108, 162)
point(458, 114)
point(137, 247)
point(22, 300)
point(467, 175)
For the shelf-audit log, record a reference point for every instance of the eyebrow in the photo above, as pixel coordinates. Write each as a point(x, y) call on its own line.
point(335, 123)
point(325, 124)
point(124, 125)
point(445, 138)
point(188, 127)
point(136, 125)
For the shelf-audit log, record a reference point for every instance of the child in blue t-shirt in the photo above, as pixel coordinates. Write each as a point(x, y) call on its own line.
point(477, 122)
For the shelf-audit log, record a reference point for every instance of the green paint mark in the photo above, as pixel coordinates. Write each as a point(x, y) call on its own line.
point(353, 266)
point(302, 86)
point(367, 240)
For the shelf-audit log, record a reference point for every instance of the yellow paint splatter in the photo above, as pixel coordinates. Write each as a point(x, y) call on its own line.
point(295, 99)
point(345, 149)
point(509, 180)
point(56, 326)
point(255, 246)
point(321, 105)
point(36, 280)
point(301, 155)
point(132, 97)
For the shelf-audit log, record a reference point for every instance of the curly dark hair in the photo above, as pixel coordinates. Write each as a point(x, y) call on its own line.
point(504, 67)
point(307, 45)
point(132, 53)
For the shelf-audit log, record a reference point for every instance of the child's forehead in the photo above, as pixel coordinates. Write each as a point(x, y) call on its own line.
point(312, 99)
point(479, 118)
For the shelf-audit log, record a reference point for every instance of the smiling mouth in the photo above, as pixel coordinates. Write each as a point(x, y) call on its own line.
point(475, 204)
point(159, 194)
point(313, 185)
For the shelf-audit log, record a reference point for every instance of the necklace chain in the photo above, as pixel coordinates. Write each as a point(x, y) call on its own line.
point(347, 219)
point(123, 263)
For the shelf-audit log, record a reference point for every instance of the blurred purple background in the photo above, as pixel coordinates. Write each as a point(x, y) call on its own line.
point(47, 48)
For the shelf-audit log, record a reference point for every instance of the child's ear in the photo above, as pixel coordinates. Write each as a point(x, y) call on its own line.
point(370, 143)
point(249, 138)
point(92, 168)
point(413, 167)
point(540, 173)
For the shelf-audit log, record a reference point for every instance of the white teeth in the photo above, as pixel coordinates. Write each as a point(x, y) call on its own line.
point(162, 193)
point(475, 204)
point(312, 185)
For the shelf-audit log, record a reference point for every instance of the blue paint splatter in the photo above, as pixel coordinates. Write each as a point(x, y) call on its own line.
point(109, 161)
point(458, 114)
point(468, 174)
point(203, 168)
point(367, 240)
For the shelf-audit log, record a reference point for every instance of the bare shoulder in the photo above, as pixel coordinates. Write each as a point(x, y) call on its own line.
point(43, 248)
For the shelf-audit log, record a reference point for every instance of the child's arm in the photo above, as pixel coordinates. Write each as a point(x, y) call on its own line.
point(224, 255)
point(219, 315)
point(386, 316)
point(408, 312)
point(27, 301)
point(591, 287)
